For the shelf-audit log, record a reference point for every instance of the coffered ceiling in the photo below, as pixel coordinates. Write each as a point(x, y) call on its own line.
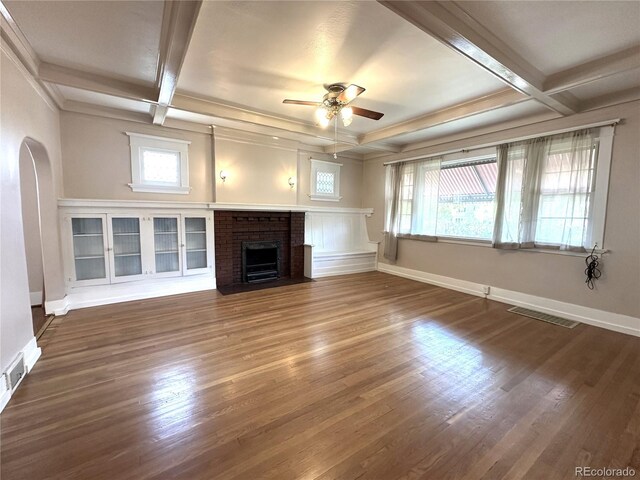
point(435, 69)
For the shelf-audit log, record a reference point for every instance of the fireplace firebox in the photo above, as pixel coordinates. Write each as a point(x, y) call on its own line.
point(260, 261)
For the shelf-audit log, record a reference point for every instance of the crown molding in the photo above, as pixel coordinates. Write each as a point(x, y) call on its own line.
point(18, 48)
point(588, 72)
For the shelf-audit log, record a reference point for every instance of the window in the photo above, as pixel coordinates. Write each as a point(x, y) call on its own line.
point(325, 181)
point(453, 196)
point(546, 192)
point(554, 191)
point(159, 164)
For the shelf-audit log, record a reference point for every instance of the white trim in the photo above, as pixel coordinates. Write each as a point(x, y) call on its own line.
point(591, 316)
point(35, 298)
point(56, 307)
point(441, 281)
point(148, 188)
point(324, 198)
point(332, 164)
point(601, 187)
point(155, 137)
point(76, 203)
point(30, 354)
point(288, 208)
point(5, 393)
point(82, 297)
point(322, 166)
point(138, 143)
point(603, 123)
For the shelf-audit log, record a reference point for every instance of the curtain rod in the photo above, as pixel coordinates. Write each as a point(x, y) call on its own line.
point(604, 123)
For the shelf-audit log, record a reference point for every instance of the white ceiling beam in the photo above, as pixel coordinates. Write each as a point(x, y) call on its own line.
point(129, 116)
point(493, 101)
point(455, 28)
point(95, 83)
point(178, 22)
point(227, 112)
point(588, 72)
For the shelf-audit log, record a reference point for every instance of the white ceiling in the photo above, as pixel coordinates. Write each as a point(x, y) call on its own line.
point(554, 36)
point(256, 54)
point(243, 58)
point(114, 38)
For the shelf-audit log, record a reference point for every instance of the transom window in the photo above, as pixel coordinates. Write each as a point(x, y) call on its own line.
point(159, 164)
point(325, 181)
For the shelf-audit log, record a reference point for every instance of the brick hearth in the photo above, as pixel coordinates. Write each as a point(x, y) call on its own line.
point(231, 228)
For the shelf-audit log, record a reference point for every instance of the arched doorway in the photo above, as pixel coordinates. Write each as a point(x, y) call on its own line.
point(40, 226)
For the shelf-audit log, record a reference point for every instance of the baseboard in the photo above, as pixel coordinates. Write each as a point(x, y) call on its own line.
point(31, 353)
point(92, 296)
point(36, 298)
point(5, 393)
point(56, 307)
point(591, 316)
point(439, 280)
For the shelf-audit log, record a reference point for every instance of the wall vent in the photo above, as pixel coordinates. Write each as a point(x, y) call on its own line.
point(545, 317)
point(16, 373)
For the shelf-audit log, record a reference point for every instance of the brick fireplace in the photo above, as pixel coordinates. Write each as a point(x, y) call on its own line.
point(233, 227)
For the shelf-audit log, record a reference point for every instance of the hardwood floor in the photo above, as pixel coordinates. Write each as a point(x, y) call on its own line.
point(365, 376)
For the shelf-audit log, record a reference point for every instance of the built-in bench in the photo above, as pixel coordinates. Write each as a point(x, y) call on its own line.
point(337, 244)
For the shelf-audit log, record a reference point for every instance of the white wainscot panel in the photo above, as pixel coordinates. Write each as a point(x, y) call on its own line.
point(337, 244)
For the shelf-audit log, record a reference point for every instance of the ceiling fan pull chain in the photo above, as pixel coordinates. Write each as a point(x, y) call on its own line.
point(335, 143)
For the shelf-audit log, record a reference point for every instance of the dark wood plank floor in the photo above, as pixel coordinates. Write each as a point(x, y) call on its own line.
point(365, 376)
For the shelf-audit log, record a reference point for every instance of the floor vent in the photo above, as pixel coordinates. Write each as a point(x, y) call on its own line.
point(16, 372)
point(545, 317)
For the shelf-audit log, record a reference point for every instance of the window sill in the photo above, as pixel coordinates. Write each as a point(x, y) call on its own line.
point(323, 198)
point(159, 189)
point(487, 244)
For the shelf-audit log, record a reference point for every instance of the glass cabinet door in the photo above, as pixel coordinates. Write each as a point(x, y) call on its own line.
point(195, 243)
point(127, 255)
point(166, 245)
point(89, 249)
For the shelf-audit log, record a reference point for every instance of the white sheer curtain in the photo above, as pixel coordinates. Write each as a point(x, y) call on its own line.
point(392, 218)
point(412, 200)
point(544, 192)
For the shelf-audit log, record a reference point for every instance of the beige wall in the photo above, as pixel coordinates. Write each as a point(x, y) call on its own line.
point(257, 172)
point(552, 276)
point(350, 180)
point(31, 225)
point(97, 159)
point(24, 113)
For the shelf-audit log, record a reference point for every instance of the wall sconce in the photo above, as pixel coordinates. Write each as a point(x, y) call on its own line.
point(292, 182)
point(223, 175)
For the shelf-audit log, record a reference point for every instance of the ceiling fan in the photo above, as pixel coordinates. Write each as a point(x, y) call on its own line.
point(336, 102)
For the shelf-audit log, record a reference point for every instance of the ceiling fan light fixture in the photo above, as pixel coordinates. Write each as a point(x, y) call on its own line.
point(347, 116)
point(322, 117)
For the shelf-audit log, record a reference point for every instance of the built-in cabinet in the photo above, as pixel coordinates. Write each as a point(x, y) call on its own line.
point(114, 248)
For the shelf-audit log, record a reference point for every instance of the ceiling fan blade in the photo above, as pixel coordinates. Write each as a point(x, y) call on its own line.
point(363, 112)
point(349, 93)
point(301, 102)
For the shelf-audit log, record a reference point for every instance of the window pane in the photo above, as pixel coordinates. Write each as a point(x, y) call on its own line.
point(160, 167)
point(325, 182)
point(466, 201)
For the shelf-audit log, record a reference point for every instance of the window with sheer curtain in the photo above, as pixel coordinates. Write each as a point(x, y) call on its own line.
point(537, 193)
